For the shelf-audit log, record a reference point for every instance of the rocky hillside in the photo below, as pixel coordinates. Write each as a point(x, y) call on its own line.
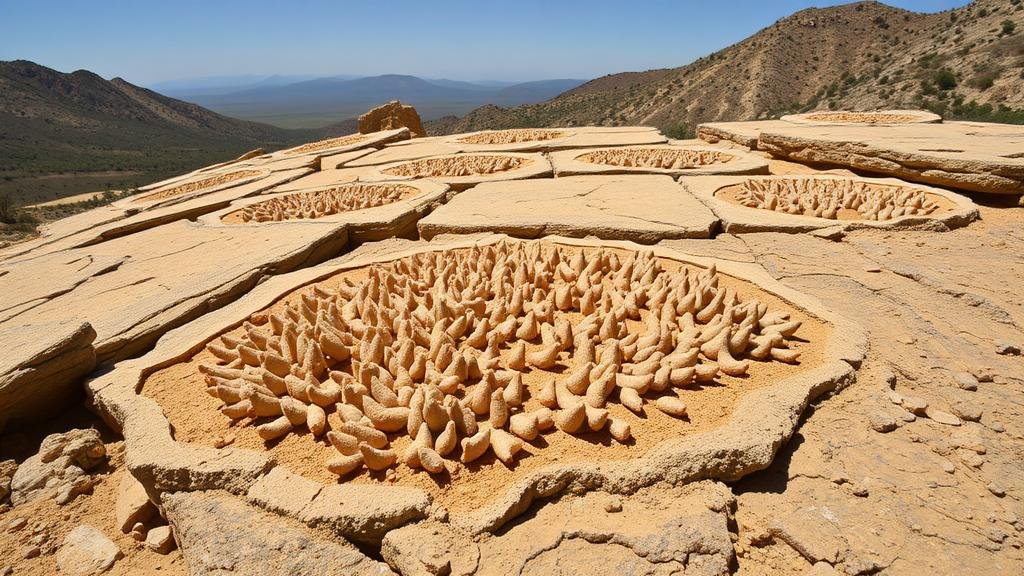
point(967, 62)
point(61, 134)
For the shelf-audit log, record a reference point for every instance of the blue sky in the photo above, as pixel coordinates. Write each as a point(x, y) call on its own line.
point(147, 42)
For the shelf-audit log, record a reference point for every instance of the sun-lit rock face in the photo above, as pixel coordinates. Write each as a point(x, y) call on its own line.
point(454, 166)
point(512, 136)
point(662, 158)
point(836, 198)
point(198, 185)
point(320, 203)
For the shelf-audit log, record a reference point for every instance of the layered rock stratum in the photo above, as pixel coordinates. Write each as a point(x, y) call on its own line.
point(791, 347)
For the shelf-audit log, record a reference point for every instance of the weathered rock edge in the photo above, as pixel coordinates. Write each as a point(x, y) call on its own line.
point(761, 423)
point(919, 117)
point(978, 173)
point(737, 219)
point(397, 219)
point(565, 162)
point(537, 166)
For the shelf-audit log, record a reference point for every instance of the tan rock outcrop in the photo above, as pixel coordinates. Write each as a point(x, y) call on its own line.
point(390, 116)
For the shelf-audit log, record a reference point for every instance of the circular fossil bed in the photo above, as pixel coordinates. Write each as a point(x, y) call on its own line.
point(835, 198)
point(512, 136)
point(198, 185)
point(458, 372)
point(659, 158)
point(320, 203)
point(880, 117)
point(321, 145)
point(457, 166)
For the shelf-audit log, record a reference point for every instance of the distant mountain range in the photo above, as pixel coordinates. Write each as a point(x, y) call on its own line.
point(963, 63)
point(316, 102)
point(62, 134)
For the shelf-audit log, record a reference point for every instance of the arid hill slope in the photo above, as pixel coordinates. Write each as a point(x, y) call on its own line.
point(108, 132)
point(858, 56)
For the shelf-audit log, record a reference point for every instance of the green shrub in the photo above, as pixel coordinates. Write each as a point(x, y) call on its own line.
point(1008, 28)
point(944, 79)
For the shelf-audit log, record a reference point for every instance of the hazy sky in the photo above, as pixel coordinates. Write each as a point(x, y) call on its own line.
point(147, 41)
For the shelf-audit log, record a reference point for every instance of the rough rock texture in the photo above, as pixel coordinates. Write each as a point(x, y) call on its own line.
point(636, 207)
point(674, 159)
point(964, 155)
point(653, 531)
point(158, 278)
point(220, 534)
point(874, 118)
point(41, 365)
point(86, 552)
point(61, 468)
point(718, 193)
point(390, 116)
point(406, 203)
point(132, 505)
point(681, 531)
point(462, 171)
point(7, 469)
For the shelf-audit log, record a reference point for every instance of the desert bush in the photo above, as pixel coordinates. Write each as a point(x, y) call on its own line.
point(945, 79)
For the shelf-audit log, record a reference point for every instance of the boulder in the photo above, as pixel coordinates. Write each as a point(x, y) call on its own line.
point(390, 116)
point(160, 540)
point(86, 551)
point(132, 505)
point(60, 469)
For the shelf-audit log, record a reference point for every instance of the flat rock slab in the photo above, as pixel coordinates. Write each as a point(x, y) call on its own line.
point(873, 118)
point(41, 365)
point(972, 156)
point(166, 276)
point(675, 159)
point(221, 534)
point(341, 144)
point(641, 208)
point(328, 177)
point(397, 218)
point(550, 139)
point(742, 133)
point(512, 141)
point(736, 218)
point(682, 531)
point(461, 171)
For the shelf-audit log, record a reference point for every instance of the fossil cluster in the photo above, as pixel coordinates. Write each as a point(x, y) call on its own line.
point(512, 136)
point(452, 166)
point(326, 144)
point(828, 198)
point(862, 117)
point(662, 158)
point(197, 185)
point(319, 203)
point(486, 348)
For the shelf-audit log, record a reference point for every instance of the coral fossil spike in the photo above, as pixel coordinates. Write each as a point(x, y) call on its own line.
point(377, 458)
point(345, 464)
point(474, 446)
point(571, 419)
point(505, 445)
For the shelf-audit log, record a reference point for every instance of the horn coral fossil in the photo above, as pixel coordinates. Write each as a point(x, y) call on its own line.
point(655, 158)
point(469, 165)
point(450, 358)
point(320, 203)
point(835, 198)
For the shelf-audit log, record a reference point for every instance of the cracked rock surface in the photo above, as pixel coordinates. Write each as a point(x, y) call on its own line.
point(915, 467)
